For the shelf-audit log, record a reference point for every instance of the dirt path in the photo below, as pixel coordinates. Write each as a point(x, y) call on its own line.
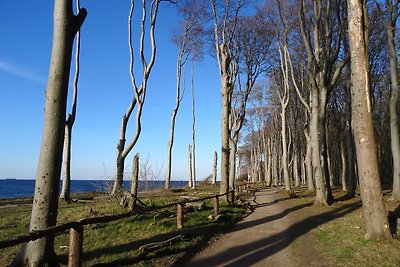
point(263, 238)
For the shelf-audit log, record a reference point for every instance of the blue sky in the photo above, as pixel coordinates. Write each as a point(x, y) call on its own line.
point(26, 29)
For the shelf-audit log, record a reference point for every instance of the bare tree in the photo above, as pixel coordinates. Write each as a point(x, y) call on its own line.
point(183, 54)
point(140, 91)
point(214, 178)
point(66, 167)
point(375, 216)
point(392, 16)
point(190, 161)
point(193, 129)
point(322, 29)
point(224, 37)
point(252, 51)
point(45, 202)
point(284, 97)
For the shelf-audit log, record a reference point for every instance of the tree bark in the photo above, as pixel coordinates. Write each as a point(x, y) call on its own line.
point(232, 168)
point(193, 131)
point(45, 202)
point(66, 167)
point(344, 166)
point(350, 145)
point(226, 92)
point(375, 215)
point(190, 151)
point(308, 161)
point(66, 185)
point(214, 179)
point(135, 180)
point(394, 81)
point(296, 170)
point(320, 188)
point(139, 91)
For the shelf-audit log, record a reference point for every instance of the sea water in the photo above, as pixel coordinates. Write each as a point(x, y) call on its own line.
point(13, 188)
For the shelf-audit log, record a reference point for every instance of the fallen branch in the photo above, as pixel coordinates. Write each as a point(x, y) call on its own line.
point(156, 245)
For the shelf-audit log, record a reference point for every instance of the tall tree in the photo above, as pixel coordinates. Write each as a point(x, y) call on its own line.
point(224, 37)
point(253, 45)
point(392, 15)
point(66, 167)
point(45, 202)
point(190, 42)
point(193, 128)
point(284, 85)
point(375, 216)
point(183, 54)
point(140, 90)
point(322, 29)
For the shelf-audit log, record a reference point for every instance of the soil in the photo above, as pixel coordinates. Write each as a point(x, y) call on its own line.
point(264, 238)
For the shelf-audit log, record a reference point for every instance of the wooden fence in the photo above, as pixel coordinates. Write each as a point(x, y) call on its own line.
point(76, 228)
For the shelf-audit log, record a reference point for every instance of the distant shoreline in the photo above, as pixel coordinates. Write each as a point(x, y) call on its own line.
point(11, 188)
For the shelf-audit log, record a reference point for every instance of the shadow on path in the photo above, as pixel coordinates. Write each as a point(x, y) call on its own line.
point(246, 255)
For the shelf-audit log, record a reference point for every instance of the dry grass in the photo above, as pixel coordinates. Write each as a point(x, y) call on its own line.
point(117, 243)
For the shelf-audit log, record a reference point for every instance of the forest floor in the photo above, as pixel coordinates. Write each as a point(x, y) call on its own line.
point(284, 231)
point(276, 231)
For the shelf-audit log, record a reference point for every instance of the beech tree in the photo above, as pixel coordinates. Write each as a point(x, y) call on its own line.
point(139, 89)
point(253, 49)
point(45, 201)
point(284, 86)
point(391, 21)
point(224, 37)
point(375, 215)
point(66, 167)
point(322, 29)
point(183, 54)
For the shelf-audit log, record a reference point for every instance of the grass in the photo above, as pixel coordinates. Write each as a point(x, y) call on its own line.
point(327, 236)
point(118, 243)
point(340, 241)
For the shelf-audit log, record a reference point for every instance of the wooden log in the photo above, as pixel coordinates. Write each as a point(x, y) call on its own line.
point(75, 246)
point(216, 205)
point(179, 216)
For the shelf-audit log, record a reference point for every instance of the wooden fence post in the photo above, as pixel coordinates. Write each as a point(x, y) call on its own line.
point(75, 246)
point(179, 216)
point(216, 205)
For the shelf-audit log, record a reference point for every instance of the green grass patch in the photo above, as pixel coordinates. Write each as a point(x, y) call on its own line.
point(340, 240)
point(119, 242)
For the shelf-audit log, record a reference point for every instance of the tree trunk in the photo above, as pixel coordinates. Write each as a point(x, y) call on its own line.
point(66, 185)
point(394, 121)
point(170, 144)
point(45, 202)
point(303, 173)
point(320, 188)
point(269, 166)
point(120, 161)
point(350, 146)
point(375, 215)
point(275, 171)
point(224, 187)
point(296, 170)
point(214, 179)
point(308, 161)
point(285, 164)
point(190, 166)
point(66, 177)
point(135, 179)
point(344, 166)
point(232, 168)
point(193, 131)
point(139, 91)
point(323, 98)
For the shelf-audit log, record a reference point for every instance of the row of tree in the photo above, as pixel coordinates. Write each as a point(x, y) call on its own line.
point(309, 120)
point(314, 118)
